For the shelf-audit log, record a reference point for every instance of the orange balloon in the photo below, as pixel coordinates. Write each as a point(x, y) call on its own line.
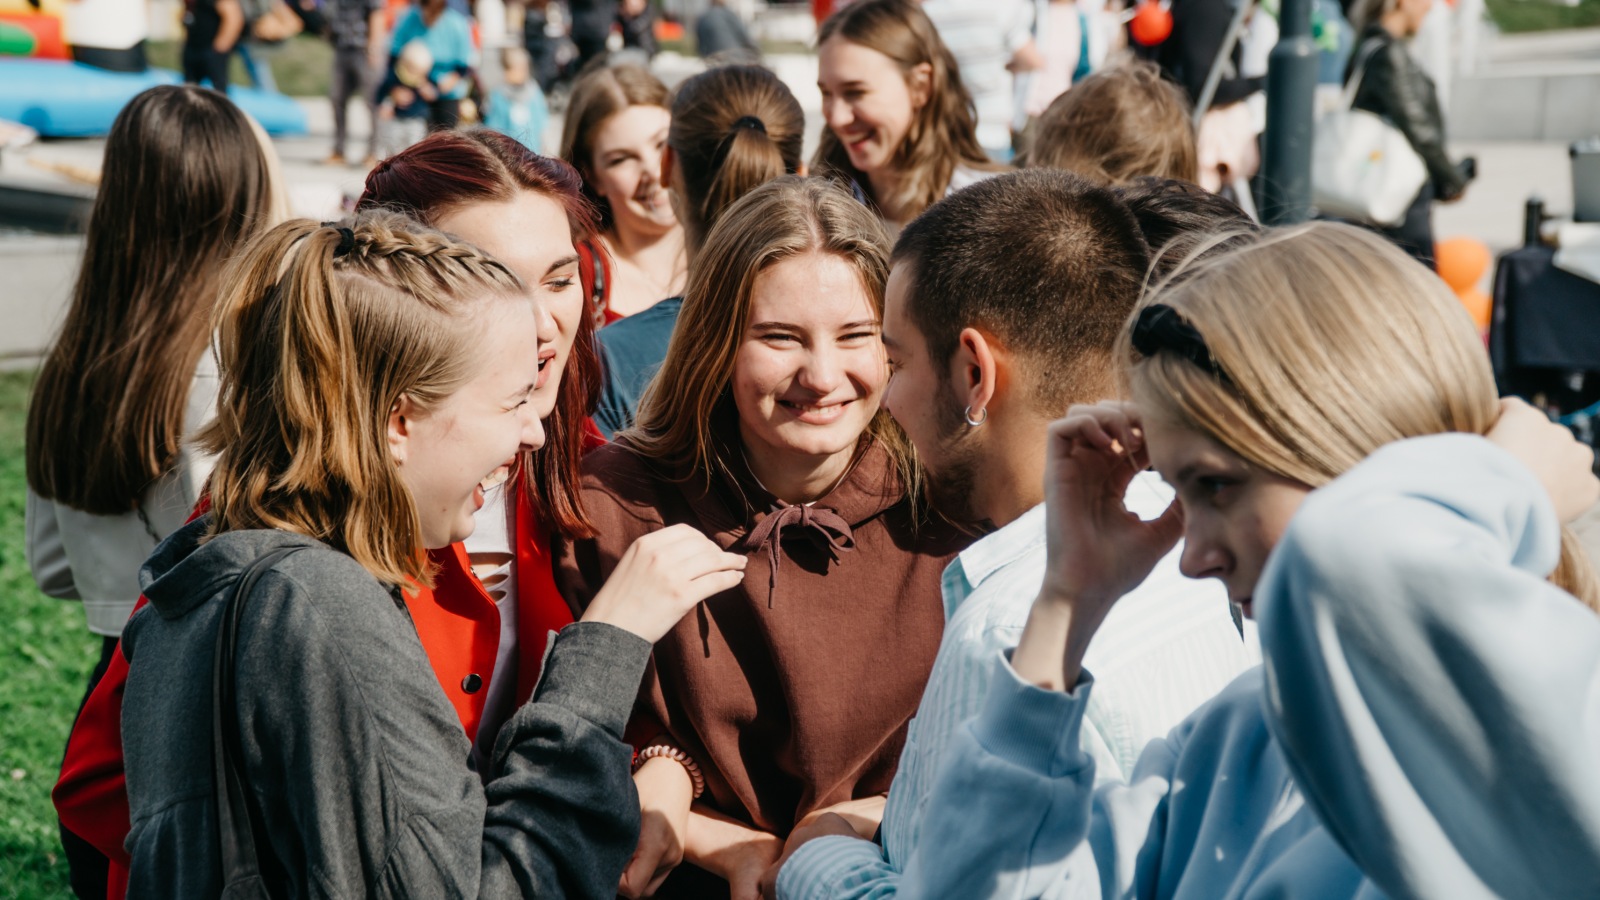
point(1461, 262)
point(1151, 23)
point(1478, 305)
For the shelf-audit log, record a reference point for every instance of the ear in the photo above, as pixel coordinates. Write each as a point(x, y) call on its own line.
point(398, 430)
point(919, 81)
point(976, 369)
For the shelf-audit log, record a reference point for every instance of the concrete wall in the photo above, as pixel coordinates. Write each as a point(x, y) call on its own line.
point(1559, 103)
point(40, 270)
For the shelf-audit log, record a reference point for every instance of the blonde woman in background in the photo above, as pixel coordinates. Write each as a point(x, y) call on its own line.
point(1425, 724)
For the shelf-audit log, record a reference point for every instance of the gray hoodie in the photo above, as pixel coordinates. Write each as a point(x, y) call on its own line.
point(357, 761)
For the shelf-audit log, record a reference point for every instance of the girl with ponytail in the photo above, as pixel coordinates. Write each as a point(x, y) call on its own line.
point(374, 376)
point(734, 128)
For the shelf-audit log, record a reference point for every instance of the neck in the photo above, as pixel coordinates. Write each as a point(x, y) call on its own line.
point(885, 183)
point(648, 249)
point(1011, 479)
point(795, 478)
point(1395, 23)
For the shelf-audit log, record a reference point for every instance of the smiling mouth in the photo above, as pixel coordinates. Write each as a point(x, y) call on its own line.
point(545, 357)
point(816, 414)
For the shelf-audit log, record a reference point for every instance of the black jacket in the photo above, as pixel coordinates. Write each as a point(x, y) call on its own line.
point(356, 759)
point(1397, 89)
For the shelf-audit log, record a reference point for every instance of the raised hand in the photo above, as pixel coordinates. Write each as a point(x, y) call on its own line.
point(1561, 463)
point(659, 580)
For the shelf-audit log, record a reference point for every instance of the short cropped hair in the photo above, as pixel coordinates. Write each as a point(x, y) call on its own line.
point(1118, 124)
point(1174, 215)
point(1047, 263)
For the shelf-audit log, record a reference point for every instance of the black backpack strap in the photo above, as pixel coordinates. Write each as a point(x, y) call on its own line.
point(235, 830)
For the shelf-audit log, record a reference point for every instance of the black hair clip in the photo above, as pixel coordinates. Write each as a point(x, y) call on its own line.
point(1160, 327)
point(347, 243)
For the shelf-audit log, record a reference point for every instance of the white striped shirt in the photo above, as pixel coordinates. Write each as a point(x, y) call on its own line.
point(1164, 649)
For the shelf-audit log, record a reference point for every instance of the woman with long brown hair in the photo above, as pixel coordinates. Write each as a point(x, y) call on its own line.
point(900, 126)
point(615, 129)
point(764, 431)
point(110, 470)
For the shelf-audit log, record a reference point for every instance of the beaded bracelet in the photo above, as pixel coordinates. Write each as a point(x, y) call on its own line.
point(667, 751)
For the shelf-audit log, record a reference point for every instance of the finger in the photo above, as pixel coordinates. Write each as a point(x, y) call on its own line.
point(1167, 528)
point(656, 882)
point(715, 583)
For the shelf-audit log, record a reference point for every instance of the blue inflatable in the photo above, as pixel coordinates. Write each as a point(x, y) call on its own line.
point(68, 99)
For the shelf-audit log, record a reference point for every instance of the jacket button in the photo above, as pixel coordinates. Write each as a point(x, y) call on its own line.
point(471, 683)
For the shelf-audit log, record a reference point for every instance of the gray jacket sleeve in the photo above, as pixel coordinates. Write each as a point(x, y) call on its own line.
point(47, 553)
point(359, 760)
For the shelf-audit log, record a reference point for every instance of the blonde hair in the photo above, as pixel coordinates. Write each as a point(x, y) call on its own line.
point(1117, 125)
point(1334, 343)
point(943, 133)
point(319, 336)
point(779, 220)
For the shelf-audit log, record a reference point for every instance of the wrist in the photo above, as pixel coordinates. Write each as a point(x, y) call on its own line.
point(661, 754)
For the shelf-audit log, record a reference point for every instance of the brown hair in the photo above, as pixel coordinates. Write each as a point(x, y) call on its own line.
point(317, 342)
point(1048, 263)
point(1334, 343)
point(1175, 216)
point(600, 94)
point(450, 169)
point(733, 129)
point(185, 183)
point(1117, 124)
point(943, 132)
point(779, 220)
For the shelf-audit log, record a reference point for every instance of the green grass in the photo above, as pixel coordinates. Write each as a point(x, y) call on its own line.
point(301, 65)
point(46, 654)
point(1543, 15)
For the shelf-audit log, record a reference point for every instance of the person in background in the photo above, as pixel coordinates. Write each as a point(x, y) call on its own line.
point(790, 695)
point(989, 41)
point(111, 465)
point(590, 30)
point(356, 29)
point(734, 128)
point(615, 131)
point(448, 36)
point(900, 128)
point(636, 20)
point(719, 34)
point(1424, 722)
point(1395, 87)
point(542, 46)
point(518, 107)
point(994, 323)
point(1062, 34)
point(406, 98)
point(1116, 125)
point(211, 32)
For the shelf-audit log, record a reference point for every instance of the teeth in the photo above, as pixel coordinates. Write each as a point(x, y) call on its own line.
point(496, 478)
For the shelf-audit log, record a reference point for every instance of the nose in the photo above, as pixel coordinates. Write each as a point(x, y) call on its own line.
point(823, 372)
point(532, 437)
point(1203, 556)
point(837, 115)
point(547, 330)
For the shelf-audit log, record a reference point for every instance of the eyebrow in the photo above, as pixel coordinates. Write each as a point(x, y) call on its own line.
point(562, 263)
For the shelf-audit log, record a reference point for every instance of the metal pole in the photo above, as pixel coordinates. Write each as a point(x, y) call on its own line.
point(1291, 98)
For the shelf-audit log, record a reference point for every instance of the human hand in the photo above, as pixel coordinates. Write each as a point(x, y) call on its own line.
point(1561, 463)
point(822, 823)
point(1026, 59)
point(660, 578)
point(402, 96)
point(665, 794)
point(427, 91)
point(729, 848)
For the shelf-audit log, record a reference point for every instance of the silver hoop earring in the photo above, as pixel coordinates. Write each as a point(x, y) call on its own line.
point(983, 416)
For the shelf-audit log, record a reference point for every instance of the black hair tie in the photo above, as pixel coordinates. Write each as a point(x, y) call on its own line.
point(750, 122)
point(347, 242)
point(1160, 328)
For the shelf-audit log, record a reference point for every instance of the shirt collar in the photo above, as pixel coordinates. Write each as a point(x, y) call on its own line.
point(990, 554)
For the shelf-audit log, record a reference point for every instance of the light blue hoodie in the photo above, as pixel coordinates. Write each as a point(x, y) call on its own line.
point(1426, 724)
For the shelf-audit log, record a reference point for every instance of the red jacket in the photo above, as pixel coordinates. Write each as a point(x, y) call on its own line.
point(457, 622)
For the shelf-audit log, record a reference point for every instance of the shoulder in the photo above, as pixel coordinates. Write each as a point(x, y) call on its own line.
point(620, 487)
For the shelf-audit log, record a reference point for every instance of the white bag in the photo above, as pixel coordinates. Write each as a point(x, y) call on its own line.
point(1363, 168)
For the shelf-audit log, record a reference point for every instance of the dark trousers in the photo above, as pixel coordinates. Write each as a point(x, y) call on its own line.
point(87, 868)
point(126, 59)
point(353, 76)
point(444, 113)
point(1414, 234)
point(205, 64)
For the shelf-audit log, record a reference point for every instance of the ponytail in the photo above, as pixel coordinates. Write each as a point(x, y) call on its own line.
point(734, 128)
point(322, 330)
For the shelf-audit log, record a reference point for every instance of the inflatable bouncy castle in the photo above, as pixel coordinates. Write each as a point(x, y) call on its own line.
point(67, 67)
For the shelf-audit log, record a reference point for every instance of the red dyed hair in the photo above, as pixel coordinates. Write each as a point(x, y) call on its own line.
point(449, 169)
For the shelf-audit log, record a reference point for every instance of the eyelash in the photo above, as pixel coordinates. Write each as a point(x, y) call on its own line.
point(560, 284)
